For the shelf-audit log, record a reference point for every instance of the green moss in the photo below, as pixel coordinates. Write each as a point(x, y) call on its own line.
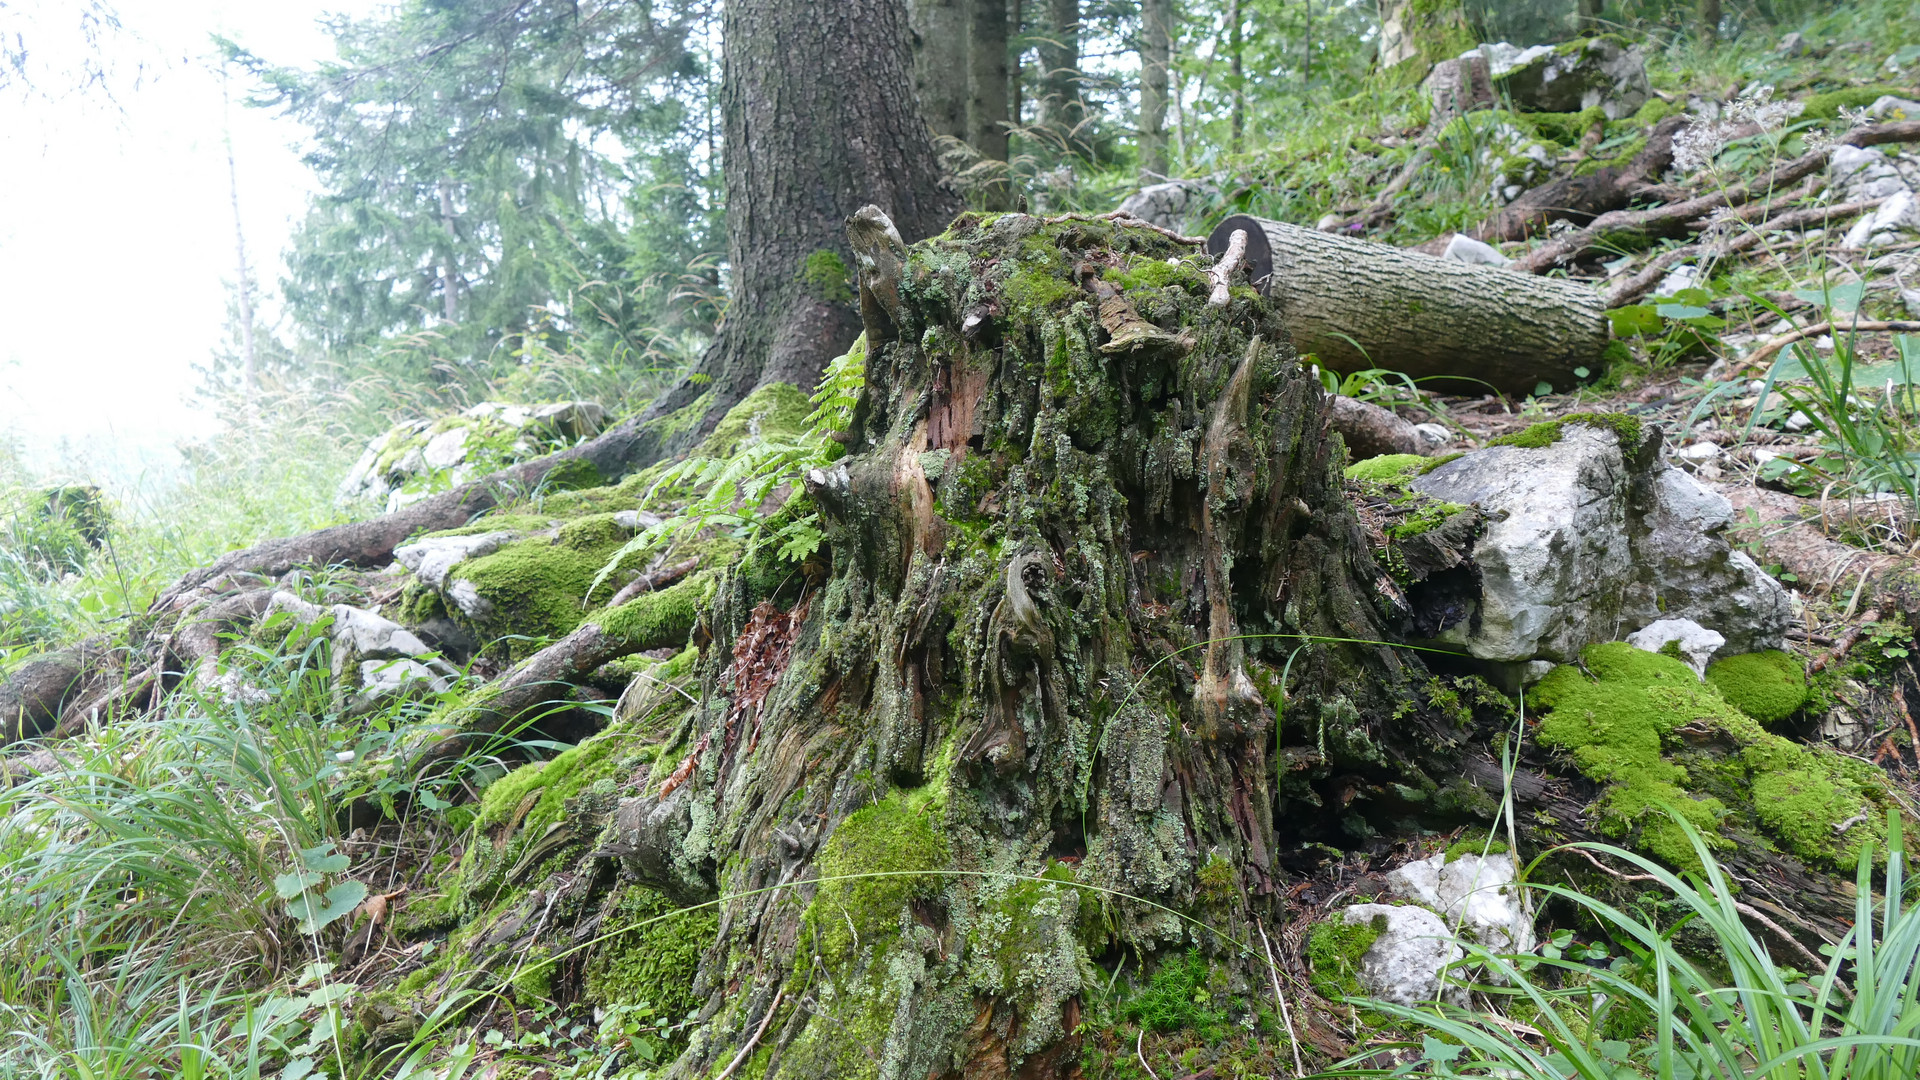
point(652, 954)
point(1827, 106)
point(1217, 878)
point(1175, 998)
point(1334, 949)
point(1032, 288)
point(891, 837)
point(554, 782)
point(1655, 110)
point(1618, 720)
point(1475, 842)
point(1426, 519)
point(1768, 686)
point(1565, 129)
point(536, 587)
point(660, 619)
point(1148, 273)
point(1544, 434)
point(532, 977)
point(1391, 469)
point(776, 410)
point(825, 276)
point(572, 474)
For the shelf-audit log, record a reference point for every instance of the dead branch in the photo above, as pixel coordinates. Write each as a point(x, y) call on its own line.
point(1648, 276)
point(1758, 357)
point(1223, 270)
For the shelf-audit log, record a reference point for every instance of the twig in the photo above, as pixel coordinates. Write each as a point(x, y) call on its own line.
point(1780, 932)
point(1900, 700)
point(1377, 211)
point(1286, 1016)
point(1636, 286)
point(757, 1032)
point(1840, 647)
point(1618, 875)
point(1139, 1042)
point(1766, 352)
point(1222, 272)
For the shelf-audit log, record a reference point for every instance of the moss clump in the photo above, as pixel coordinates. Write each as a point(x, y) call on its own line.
point(891, 837)
point(1475, 842)
point(551, 783)
point(1655, 110)
point(535, 588)
point(1618, 720)
point(1426, 519)
point(1032, 288)
point(1147, 273)
point(825, 276)
point(1768, 686)
point(1390, 469)
point(1175, 997)
point(1565, 129)
point(656, 620)
point(1827, 106)
point(1544, 434)
point(776, 410)
point(652, 955)
point(1334, 949)
point(532, 977)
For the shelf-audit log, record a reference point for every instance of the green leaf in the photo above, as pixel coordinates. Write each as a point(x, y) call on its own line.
point(1634, 320)
point(320, 861)
point(1581, 373)
point(1543, 389)
point(294, 883)
point(1837, 297)
point(1434, 1050)
point(1681, 312)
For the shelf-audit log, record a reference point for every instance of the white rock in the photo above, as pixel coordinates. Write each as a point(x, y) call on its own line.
point(1697, 643)
point(1404, 963)
point(434, 557)
point(381, 681)
point(445, 450)
point(1700, 451)
point(1583, 542)
point(634, 521)
point(373, 635)
point(1684, 276)
point(1799, 421)
point(1863, 173)
point(467, 598)
point(1465, 249)
point(1597, 72)
point(1888, 107)
point(1503, 57)
point(1171, 205)
point(1474, 893)
point(1432, 436)
point(1911, 298)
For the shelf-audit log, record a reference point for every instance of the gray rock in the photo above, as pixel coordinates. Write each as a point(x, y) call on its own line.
point(1793, 44)
point(1503, 57)
point(1601, 71)
point(1696, 643)
point(1585, 541)
point(1432, 437)
point(1888, 107)
point(1899, 214)
point(1863, 173)
point(1476, 894)
point(1176, 204)
point(1404, 963)
point(416, 459)
point(434, 557)
point(383, 681)
point(1465, 249)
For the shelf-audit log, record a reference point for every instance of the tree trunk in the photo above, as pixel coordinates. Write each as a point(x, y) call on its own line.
point(1416, 34)
point(819, 117)
point(987, 106)
point(1236, 70)
point(1417, 314)
point(1156, 53)
point(1073, 582)
point(940, 30)
point(1061, 110)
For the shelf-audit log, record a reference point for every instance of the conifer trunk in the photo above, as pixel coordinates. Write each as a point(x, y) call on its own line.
point(1156, 53)
point(819, 117)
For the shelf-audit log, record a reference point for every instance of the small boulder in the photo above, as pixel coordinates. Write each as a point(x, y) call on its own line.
point(1899, 214)
point(1475, 893)
point(1404, 962)
point(1603, 72)
point(1863, 173)
point(1465, 249)
point(416, 459)
point(1591, 531)
point(1176, 204)
point(1694, 643)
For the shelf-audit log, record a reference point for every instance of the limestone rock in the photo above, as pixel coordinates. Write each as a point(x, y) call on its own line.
point(1503, 57)
point(1464, 248)
point(1887, 107)
point(1696, 643)
point(1604, 71)
point(1176, 204)
point(415, 459)
point(1587, 538)
point(1899, 214)
point(1863, 173)
point(432, 558)
point(1404, 963)
point(1477, 894)
point(382, 681)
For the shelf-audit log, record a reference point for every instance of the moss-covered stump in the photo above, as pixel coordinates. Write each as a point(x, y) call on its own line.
point(1092, 648)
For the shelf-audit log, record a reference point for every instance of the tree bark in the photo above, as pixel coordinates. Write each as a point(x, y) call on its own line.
point(819, 117)
point(940, 31)
point(1061, 110)
point(1417, 314)
point(988, 117)
point(1156, 54)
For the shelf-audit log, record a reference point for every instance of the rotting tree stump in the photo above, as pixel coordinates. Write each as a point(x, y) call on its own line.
point(1079, 572)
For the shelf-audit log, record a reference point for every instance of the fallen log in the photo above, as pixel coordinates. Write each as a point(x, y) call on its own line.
point(1790, 532)
point(1628, 226)
point(1583, 198)
point(31, 699)
point(1369, 430)
point(1356, 305)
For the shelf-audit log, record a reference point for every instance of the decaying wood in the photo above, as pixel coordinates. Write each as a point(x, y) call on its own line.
point(1370, 430)
point(1228, 264)
point(1788, 530)
point(1583, 198)
point(31, 699)
point(653, 581)
point(1643, 280)
point(1760, 356)
point(1356, 305)
point(1672, 220)
point(881, 256)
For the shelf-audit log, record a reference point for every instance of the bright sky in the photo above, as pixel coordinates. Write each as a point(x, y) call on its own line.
point(116, 230)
